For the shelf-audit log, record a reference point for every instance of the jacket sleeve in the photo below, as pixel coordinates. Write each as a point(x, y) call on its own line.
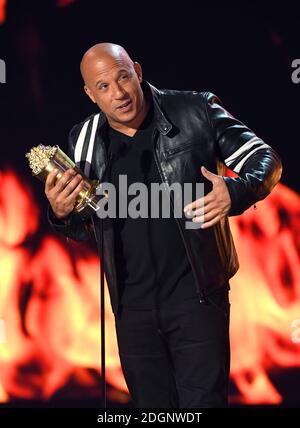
point(257, 164)
point(73, 226)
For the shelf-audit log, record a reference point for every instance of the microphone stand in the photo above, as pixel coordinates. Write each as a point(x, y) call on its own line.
point(102, 318)
point(100, 247)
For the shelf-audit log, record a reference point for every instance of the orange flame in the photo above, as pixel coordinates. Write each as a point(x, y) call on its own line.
point(49, 301)
point(2, 11)
point(50, 305)
point(265, 295)
point(3, 5)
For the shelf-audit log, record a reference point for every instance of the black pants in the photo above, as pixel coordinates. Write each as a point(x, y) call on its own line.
point(179, 356)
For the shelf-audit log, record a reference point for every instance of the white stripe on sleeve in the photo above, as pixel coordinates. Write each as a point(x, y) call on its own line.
point(238, 167)
point(89, 155)
point(244, 148)
point(80, 142)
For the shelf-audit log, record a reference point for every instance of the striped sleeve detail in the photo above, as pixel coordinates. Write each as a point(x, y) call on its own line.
point(88, 160)
point(237, 159)
point(80, 142)
point(84, 147)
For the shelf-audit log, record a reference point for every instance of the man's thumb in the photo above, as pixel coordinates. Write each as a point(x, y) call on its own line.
point(207, 174)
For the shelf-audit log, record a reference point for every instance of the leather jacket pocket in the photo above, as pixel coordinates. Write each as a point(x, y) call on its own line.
point(181, 148)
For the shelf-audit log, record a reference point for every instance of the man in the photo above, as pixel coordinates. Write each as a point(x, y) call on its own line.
point(168, 284)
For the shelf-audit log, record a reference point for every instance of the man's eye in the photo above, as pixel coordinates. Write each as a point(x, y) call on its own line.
point(101, 87)
point(124, 76)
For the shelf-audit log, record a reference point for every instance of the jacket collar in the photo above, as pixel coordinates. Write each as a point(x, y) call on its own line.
point(161, 122)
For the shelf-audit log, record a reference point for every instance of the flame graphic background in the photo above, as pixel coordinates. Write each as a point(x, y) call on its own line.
point(50, 304)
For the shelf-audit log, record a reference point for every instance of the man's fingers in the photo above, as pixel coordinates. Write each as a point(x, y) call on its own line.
point(52, 182)
point(203, 210)
point(51, 179)
point(206, 217)
point(211, 222)
point(199, 203)
point(71, 186)
point(65, 178)
point(193, 205)
point(71, 198)
point(73, 195)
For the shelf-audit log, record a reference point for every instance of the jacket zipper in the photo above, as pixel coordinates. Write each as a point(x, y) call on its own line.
point(164, 181)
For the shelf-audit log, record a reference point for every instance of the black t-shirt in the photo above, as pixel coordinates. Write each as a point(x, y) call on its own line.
point(152, 265)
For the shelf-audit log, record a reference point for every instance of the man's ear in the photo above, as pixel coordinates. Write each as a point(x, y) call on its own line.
point(89, 93)
point(138, 70)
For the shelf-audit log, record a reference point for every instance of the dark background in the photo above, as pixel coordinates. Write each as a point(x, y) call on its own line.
point(243, 53)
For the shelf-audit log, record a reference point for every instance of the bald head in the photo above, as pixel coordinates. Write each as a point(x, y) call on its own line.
point(113, 81)
point(103, 52)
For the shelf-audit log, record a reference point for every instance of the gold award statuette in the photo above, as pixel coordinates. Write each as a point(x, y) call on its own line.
point(44, 159)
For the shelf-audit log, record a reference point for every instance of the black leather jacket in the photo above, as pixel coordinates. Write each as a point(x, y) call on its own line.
point(191, 129)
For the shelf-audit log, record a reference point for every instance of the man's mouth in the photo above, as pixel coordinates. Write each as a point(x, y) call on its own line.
point(124, 105)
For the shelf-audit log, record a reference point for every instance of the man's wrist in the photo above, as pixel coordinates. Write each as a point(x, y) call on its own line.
point(63, 221)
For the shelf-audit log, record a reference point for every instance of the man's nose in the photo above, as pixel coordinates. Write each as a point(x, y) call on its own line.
point(118, 91)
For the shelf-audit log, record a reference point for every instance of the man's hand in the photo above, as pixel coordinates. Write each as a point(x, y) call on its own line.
point(212, 207)
point(62, 194)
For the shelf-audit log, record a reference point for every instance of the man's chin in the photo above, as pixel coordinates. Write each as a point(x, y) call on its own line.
point(126, 117)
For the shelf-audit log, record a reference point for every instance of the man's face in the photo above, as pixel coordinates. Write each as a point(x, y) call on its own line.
point(114, 84)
